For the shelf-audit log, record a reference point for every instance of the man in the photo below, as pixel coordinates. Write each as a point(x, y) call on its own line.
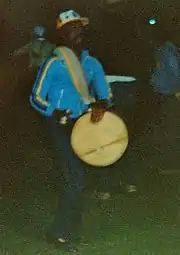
point(67, 85)
point(165, 79)
point(55, 96)
point(38, 49)
point(166, 76)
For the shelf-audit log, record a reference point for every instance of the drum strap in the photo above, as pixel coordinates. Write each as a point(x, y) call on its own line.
point(76, 72)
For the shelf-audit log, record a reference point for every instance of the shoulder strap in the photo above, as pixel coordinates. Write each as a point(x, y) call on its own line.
point(76, 72)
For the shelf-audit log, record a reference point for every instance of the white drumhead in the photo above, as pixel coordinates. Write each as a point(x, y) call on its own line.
point(102, 143)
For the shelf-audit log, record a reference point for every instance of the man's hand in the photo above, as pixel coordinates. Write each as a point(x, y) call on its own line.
point(18, 53)
point(98, 110)
point(61, 116)
point(15, 53)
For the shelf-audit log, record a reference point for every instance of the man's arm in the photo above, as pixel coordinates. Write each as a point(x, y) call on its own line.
point(24, 49)
point(100, 84)
point(103, 92)
point(38, 98)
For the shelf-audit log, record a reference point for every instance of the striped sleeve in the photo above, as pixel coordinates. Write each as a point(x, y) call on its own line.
point(38, 98)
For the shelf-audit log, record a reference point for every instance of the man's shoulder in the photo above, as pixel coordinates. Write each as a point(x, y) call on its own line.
point(51, 62)
point(93, 60)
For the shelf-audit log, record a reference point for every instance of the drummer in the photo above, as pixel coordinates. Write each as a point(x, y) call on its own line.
point(59, 96)
point(55, 96)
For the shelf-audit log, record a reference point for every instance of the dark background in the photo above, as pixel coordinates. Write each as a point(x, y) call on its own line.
point(30, 178)
point(121, 38)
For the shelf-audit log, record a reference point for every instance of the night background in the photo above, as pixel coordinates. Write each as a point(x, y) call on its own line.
point(120, 36)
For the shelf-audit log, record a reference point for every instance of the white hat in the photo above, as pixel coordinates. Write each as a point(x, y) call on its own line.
point(69, 16)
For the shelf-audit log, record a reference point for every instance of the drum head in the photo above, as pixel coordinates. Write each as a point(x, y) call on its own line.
point(102, 143)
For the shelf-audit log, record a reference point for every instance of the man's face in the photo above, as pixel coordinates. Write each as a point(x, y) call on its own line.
point(73, 32)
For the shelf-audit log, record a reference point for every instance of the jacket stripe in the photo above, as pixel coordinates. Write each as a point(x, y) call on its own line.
point(41, 76)
point(38, 104)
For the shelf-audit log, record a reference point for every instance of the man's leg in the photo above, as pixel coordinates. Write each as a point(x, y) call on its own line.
point(69, 212)
point(104, 182)
point(125, 98)
point(125, 104)
point(125, 101)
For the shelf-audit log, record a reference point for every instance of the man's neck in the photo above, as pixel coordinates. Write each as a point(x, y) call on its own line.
point(77, 50)
point(78, 53)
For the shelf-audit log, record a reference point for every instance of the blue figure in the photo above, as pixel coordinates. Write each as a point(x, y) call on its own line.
point(166, 75)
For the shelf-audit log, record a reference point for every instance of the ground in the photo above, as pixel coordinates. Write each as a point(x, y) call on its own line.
point(145, 224)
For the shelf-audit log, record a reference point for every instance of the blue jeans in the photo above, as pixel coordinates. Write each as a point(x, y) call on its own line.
point(69, 212)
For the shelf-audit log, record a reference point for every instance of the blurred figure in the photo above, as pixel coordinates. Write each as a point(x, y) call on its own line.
point(38, 49)
point(165, 81)
point(166, 75)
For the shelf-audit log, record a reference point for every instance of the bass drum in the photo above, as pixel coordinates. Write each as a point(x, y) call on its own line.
point(100, 144)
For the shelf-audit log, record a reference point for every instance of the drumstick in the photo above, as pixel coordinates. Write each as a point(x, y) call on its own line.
point(103, 146)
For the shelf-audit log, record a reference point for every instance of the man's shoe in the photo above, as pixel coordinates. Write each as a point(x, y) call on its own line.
point(62, 244)
point(131, 188)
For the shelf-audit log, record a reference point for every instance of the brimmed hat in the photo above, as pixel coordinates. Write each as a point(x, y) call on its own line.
point(70, 16)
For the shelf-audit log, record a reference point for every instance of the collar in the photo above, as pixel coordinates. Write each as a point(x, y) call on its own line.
point(84, 55)
point(83, 58)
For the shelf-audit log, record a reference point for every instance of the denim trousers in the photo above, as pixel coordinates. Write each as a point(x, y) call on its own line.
point(70, 207)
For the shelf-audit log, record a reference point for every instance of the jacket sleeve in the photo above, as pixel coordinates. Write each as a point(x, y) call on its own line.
point(101, 86)
point(23, 50)
point(38, 98)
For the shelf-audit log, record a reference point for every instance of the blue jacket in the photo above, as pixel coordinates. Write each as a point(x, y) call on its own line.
point(53, 88)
